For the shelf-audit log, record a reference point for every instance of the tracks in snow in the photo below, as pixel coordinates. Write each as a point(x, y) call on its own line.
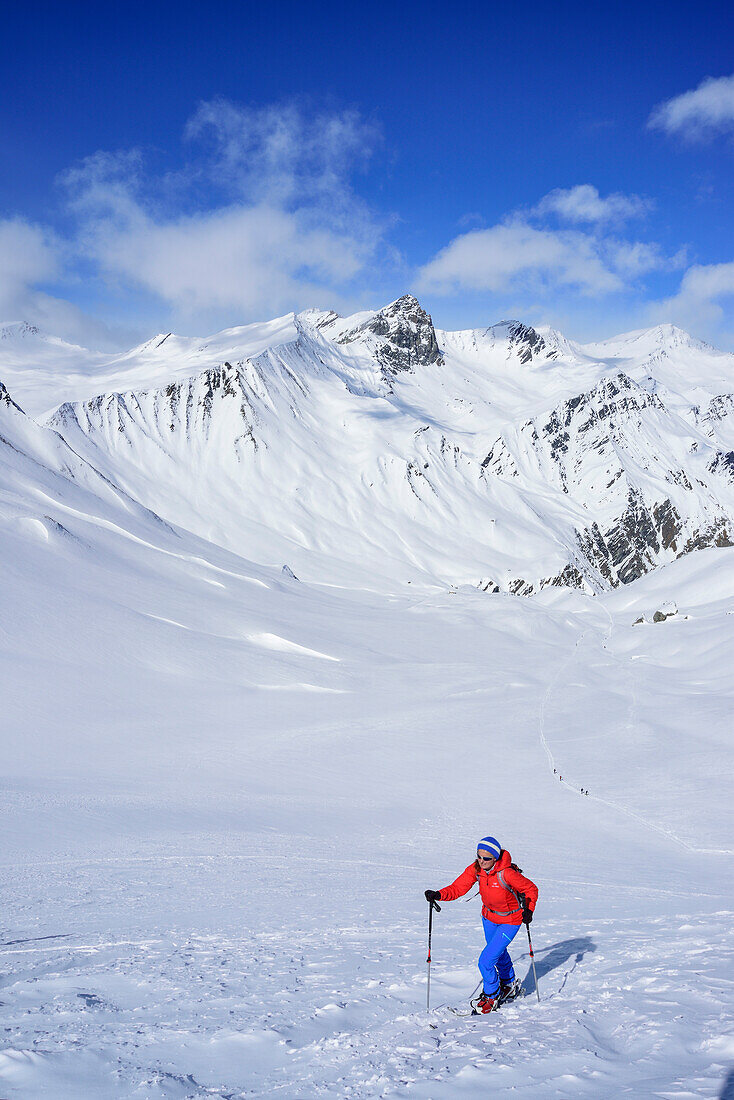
point(562, 675)
point(339, 1012)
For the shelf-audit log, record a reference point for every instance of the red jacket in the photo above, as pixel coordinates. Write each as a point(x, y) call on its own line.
point(499, 904)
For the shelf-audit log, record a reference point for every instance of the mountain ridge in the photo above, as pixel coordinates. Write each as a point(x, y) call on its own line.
point(376, 449)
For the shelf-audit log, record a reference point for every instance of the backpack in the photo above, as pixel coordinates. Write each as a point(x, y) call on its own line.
point(519, 898)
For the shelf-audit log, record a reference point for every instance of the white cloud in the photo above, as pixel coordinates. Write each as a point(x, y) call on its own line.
point(697, 305)
point(583, 203)
point(528, 255)
point(633, 259)
point(290, 233)
point(278, 154)
point(30, 255)
point(516, 256)
point(32, 261)
point(245, 259)
point(701, 113)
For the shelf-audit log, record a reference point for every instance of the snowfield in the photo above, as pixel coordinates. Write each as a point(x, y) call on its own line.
point(226, 785)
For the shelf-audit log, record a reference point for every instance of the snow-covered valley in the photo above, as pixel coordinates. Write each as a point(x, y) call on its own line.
point(226, 785)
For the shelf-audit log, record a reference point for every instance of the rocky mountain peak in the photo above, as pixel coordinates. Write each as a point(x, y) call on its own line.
point(405, 334)
point(524, 343)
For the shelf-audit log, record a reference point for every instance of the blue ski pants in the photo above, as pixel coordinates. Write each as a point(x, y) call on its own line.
point(495, 963)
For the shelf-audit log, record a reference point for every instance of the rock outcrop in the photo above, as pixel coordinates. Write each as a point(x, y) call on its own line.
point(403, 333)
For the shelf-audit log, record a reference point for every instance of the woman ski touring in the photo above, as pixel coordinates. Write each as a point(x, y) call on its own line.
point(508, 901)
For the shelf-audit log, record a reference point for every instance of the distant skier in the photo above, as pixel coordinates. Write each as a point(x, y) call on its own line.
point(508, 900)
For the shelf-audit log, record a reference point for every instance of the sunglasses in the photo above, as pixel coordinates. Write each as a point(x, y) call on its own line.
point(486, 859)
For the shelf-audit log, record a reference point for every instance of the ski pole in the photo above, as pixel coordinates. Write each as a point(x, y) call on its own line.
point(523, 903)
point(532, 960)
point(431, 906)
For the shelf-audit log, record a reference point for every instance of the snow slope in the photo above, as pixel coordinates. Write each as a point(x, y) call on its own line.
point(225, 789)
point(41, 370)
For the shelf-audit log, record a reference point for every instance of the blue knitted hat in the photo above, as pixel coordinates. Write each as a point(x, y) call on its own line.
point(490, 844)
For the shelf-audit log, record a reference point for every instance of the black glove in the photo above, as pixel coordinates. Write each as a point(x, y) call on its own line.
point(527, 915)
point(433, 895)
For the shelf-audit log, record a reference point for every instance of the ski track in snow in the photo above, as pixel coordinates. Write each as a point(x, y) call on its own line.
point(557, 771)
point(189, 1016)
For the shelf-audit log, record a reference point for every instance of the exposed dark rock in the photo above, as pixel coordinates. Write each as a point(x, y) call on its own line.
point(499, 461)
point(633, 541)
point(519, 587)
point(6, 400)
point(218, 378)
point(407, 338)
point(716, 534)
point(719, 407)
point(527, 344)
point(668, 524)
point(570, 577)
point(723, 463)
point(327, 320)
point(629, 548)
point(594, 548)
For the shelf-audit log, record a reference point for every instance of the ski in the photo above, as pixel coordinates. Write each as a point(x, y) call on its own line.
point(513, 994)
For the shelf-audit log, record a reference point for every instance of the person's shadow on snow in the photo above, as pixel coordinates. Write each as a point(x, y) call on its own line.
point(553, 957)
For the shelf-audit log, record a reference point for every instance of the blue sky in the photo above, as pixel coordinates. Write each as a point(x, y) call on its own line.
point(171, 166)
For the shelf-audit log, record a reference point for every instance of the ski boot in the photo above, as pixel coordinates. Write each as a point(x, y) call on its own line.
point(510, 990)
point(487, 1002)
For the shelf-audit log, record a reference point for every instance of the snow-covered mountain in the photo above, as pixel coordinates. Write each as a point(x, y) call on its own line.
point(377, 446)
